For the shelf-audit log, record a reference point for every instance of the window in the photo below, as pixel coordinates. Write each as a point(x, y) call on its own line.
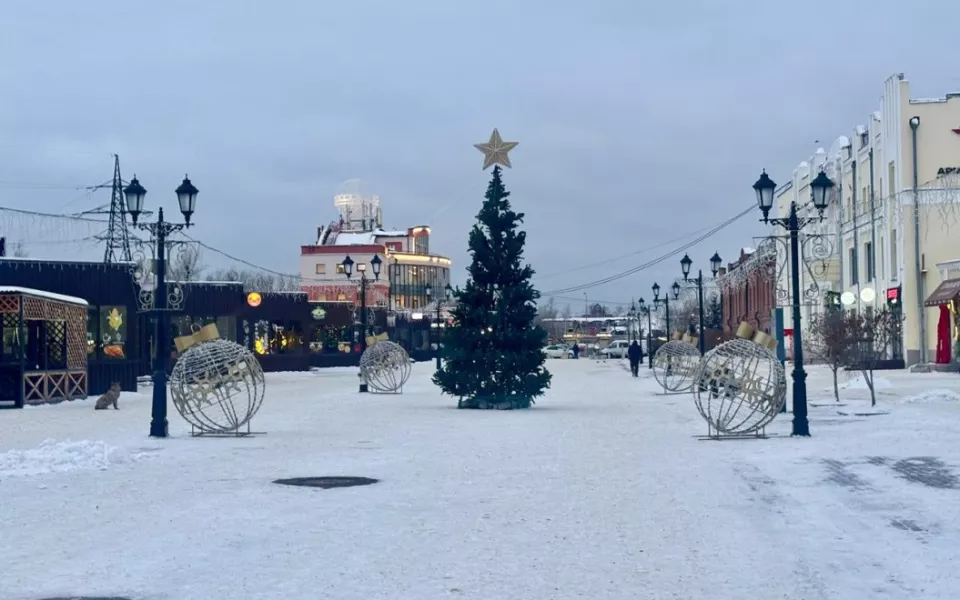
point(340, 270)
point(894, 263)
point(113, 331)
point(321, 269)
point(854, 267)
point(882, 269)
point(868, 251)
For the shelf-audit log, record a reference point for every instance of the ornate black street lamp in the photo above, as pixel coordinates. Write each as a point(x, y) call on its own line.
point(631, 317)
point(187, 198)
point(665, 302)
point(793, 223)
point(375, 264)
point(448, 292)
point(645, 310)
point(685, 264)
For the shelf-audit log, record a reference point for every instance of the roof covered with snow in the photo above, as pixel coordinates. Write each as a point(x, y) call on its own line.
point(10, 289)
point(365, 237)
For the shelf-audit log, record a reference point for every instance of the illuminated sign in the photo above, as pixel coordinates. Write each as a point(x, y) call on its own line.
point(893, 296)
point(254, 299)
point(947, 171)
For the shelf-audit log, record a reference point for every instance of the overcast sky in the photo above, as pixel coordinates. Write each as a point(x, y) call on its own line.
point(638, 122)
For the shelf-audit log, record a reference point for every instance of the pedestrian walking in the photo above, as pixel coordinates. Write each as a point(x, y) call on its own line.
point(576, 350)
point(635, 355)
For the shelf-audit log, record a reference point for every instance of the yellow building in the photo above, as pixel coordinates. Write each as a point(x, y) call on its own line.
point(885, 243)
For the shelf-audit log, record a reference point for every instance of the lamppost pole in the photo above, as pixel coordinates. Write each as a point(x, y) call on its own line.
point(700, 337)
point(187, 198)
point(644, 309)
point(159, 426)
point(764, 188)
point(375, 263)
point(448, 292)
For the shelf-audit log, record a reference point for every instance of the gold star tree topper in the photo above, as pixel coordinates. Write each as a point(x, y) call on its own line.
point(495, 151)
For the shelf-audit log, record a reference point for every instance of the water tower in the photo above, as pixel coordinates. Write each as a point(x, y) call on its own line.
point(359, 207)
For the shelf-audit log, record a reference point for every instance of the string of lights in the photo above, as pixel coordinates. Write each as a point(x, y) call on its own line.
point(558, 293)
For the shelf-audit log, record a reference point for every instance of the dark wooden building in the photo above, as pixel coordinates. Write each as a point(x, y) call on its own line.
point(113, 335)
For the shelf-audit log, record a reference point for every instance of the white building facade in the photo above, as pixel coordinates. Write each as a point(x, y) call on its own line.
point(886, 246)
point(411, 277)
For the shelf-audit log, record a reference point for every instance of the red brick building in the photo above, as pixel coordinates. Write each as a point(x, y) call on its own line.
point(747, 295)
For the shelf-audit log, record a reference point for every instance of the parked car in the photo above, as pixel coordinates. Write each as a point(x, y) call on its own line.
point(558, 351)
point(615, 349)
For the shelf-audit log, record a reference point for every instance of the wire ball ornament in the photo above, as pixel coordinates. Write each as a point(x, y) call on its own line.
point(675, 365)
point(740, 387)
point(385, 367)
point(217, 387)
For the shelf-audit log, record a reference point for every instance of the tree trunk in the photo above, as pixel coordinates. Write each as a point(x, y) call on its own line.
point(836, 388)
point(869, 380)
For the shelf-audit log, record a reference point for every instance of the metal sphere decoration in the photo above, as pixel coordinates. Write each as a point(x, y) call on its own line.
point(385, 367)
point(740, 387)
point(675, 365)
point(217, 386)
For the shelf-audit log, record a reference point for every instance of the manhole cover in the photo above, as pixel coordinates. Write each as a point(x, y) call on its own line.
point(327, 482)
point(87, 598)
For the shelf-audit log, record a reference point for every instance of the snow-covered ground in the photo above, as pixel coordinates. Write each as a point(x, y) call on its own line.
point(600, 491)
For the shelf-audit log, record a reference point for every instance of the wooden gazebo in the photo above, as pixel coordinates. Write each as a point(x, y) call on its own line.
point(44, 352)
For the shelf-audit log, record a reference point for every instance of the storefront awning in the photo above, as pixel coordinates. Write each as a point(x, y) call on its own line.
point(945, 292)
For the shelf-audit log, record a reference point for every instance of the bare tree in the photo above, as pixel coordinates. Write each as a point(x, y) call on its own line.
point(186, 264)
point(287, 283)
point(20, 250)
point(827, 341)
point(871, 334)
point(685, 314)
point(228, 274)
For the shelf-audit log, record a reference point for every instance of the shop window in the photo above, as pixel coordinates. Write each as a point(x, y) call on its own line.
point(277, 337)
point(331, 339)
point(113, 331)
point(11, 338)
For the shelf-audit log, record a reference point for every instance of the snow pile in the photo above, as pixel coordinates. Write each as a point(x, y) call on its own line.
point(859, 383)
point(936, 395)
point(52, 456)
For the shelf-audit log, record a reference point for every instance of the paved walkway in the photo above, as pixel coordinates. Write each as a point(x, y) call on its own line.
point(600, 491)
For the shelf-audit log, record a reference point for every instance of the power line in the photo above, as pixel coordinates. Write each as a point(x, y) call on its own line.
point(36, 185)
point(622, 256)
point(650, 263)
point(259, 267)
point(33, 213)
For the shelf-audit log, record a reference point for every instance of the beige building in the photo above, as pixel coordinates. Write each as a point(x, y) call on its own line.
point(885, 243)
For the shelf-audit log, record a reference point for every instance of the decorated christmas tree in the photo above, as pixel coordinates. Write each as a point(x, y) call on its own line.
point(493, 351)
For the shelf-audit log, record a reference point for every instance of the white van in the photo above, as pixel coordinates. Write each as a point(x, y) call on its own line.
point(615, 349)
